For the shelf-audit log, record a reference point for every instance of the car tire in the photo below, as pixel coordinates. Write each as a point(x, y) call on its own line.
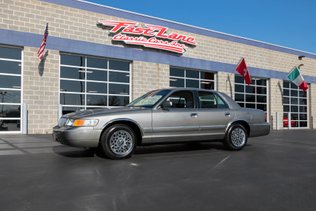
point(236, 137)
point(118, 142)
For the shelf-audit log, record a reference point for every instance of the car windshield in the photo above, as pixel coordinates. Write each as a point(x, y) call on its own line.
point(149, 100)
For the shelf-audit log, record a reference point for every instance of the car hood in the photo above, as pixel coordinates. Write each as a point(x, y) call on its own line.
point(101, 112)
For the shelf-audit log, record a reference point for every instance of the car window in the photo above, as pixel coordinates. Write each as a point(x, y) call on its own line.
point(211, 100)
point(181, 99)
point(149, 99)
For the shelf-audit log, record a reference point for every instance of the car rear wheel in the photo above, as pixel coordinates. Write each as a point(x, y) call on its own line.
point(118, 142)
point(236, 137)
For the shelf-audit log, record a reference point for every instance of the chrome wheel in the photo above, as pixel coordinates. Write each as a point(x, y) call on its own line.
point(121, 142)
point(238, 137)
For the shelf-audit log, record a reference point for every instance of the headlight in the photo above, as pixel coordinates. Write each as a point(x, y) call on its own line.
point(82, 122)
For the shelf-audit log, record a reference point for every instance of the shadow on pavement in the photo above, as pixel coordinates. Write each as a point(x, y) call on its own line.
point(147, 149)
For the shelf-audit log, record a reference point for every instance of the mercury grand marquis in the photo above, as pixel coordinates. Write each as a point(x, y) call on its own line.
point(169, 115)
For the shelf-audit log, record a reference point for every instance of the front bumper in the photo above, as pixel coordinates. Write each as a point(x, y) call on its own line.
point(77, 136)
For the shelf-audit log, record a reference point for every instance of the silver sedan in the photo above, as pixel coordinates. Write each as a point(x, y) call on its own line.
point(163, 116)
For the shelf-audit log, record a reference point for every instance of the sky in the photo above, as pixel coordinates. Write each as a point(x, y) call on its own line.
point(286, 23)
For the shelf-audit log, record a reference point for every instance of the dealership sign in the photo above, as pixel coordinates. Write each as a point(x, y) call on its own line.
point(149, 36)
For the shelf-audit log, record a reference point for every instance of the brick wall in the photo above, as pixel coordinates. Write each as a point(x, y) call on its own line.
point(40, 90)
point(148, 76)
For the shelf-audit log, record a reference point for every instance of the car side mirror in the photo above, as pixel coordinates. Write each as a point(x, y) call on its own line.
point(166, 105)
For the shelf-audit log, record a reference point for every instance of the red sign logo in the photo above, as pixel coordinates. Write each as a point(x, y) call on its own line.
point(150, 36)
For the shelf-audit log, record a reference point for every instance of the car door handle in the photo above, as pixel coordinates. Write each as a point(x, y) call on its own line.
point(194, 115)
point(227, 114)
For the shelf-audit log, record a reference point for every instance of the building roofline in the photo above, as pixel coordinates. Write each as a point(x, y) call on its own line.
point(95, 7)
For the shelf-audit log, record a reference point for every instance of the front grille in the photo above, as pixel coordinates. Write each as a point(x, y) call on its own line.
point(62, 121)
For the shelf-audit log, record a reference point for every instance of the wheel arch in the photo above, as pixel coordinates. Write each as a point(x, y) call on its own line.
point(241, 122)
point(132, 124)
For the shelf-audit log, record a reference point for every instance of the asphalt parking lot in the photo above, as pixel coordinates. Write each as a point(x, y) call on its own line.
point(275, 172)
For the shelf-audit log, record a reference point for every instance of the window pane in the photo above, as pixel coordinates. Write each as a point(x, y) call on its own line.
point(303, 124)
point(119, 89)
point(303, 109)
point(176, 72)
point(72, 60)
point(294, 93)
point(192, 74)
point(207, 85)
point(182, 99)
point(294, 108)
point(99, 100)
point(97, 63)
point(286, 108)
point(118, 101)
point(10, 125)
point(294, 100)
point(303, 101)
point(262, 107)
point(10, 67)
point(294, 116)
point(176, 82)
point(192, 83)
point(73, 73)
point(293, 86)
point(261, 90)
point(10, 111)
point(261, 99)
point(207, 100)
point(303, 116)
point(286, 84)
point(72, 86)
point(250, 89)
point(250, 98)
point(206, 75)
point(261, 82)
point(286, 92)
point(302, 94)
point(239, 97)
point(8, 96)
point(250, 105)
point(119, 65)
point(97, 75)
point(96, 87)
point(10, 53)
point(239, 79)
point(10, 82)
point(239, 88)
point(71, 99)
point(286, 100)
point(119, 77)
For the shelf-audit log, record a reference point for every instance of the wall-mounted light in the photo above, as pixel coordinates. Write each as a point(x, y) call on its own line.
point(300, 57)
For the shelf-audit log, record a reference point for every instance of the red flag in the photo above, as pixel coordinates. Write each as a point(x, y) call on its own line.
point(40, 52)
point(243, 71)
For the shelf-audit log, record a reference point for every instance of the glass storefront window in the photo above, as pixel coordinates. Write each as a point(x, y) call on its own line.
point(180, 77)
point(294, 106)
point(253, 95)
point(91, 82)
point(10, 88)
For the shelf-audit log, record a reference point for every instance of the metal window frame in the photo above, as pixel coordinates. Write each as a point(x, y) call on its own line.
point(21, 119)
point(289, 96)
point(185, 78)
point(86, 81)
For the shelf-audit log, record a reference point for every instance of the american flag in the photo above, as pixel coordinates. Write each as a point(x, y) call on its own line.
point(40, 52)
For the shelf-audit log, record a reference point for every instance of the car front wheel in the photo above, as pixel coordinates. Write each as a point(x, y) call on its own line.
point(236, 137)
point(118, 142)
